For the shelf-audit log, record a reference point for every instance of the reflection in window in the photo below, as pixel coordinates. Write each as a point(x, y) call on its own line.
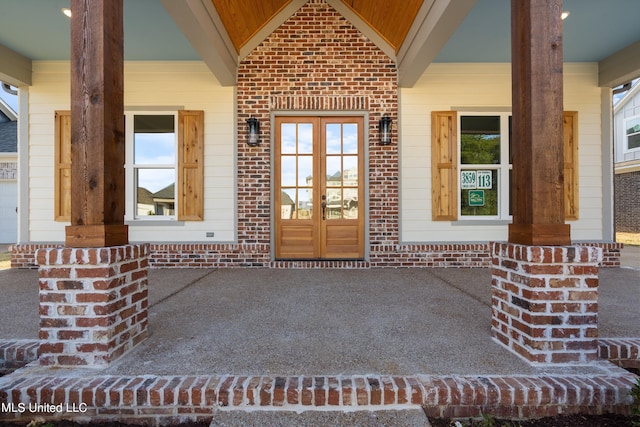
point(341, 166)
point(485, 165)
point(154, 165)
point(296, 170)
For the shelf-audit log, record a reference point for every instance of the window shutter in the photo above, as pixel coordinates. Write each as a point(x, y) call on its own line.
point(444, 165)
point(62, 167)
point(190, 165)
point(571, 165)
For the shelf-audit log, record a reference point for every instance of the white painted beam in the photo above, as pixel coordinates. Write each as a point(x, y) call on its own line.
point(428, 34)
point(15, 69)
point(620, 67)
point(199, 22)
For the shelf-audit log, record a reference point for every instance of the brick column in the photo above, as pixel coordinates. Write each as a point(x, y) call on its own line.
point(545, 301)
point(93, 303)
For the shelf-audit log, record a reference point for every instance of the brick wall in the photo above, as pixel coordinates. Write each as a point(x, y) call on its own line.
point(93, 303)
point(316, 61)
point(627, 202)
point(545, 302)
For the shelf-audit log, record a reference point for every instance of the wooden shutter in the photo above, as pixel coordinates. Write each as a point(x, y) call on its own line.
point(62, 167)
point(570, 165)
point(444, 165)
point(190, 165)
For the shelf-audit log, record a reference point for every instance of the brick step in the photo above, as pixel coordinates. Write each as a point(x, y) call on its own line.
point(163, 399)
point(624, 352)
point(15, 354)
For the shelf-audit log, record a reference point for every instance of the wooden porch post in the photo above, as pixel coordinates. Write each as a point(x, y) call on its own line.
point(537, 187)
point(97, 125)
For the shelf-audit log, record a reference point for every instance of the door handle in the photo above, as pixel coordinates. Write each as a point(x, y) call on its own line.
point(324, 207)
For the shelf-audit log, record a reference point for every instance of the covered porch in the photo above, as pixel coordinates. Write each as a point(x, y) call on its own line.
point(327, 339)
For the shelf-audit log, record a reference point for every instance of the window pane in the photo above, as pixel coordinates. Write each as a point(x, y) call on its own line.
point(350, 138)
point(633, 125)
point(633, 141)
point(288, 203)
point(305, 138)
point(304, 203)
point(334, 138)
point(305, 171)
point(154, 140)
point(288, 138)
point(155, 192)
point(334, 203)
point(350, 171)
point(288, 171)
point(334, 175)
point(483, 199)
point(479, 140)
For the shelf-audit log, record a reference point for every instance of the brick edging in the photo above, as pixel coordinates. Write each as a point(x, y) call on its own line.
point(15, 354)
point(221, 255)
point(163, 399)
point(623, 352)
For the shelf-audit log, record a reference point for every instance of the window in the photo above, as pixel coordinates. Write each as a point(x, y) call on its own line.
point(151, 145)
point(164, 165)
point(632, 132)
point(484, 164)
point(470, 174)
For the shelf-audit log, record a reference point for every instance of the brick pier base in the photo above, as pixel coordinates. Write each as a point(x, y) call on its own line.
point(93, 303)
point(545, 302)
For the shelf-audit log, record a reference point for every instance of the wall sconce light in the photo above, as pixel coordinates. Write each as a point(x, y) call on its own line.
point(384, 127)
point(253, 129)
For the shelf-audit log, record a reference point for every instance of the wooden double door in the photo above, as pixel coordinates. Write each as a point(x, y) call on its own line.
point(319, 187)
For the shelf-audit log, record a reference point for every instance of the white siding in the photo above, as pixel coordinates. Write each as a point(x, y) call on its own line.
point(628, 107)
point(487, 86)
point(188, 85)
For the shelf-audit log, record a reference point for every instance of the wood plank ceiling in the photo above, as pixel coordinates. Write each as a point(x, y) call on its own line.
point(391, 19)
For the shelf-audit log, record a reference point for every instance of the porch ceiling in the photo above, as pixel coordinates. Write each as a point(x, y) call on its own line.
point(413, 32)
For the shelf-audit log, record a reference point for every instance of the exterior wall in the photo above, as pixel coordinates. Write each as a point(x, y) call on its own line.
point(148, 85)
point(8, 197)
point(627, 167)
point(487, 87)
point(628, 107)
point(627, 204)
point(316, 62)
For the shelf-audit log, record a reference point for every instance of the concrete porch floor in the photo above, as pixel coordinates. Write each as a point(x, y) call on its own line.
point(307, 322)
point(395, 325)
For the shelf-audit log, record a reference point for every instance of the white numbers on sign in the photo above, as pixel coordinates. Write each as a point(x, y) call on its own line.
point(468, 180)
point(484, 180)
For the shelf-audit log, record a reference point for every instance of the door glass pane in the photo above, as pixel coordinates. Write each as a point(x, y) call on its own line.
point(334, 203)
point(350, 203)
point(288, 171)
point(334, 138)
point(305, 138)
point(305, 203)
point(350, 171)
point(305, 171)
point(288, 203)
point(334, 175)
point(288, 138)
point(480, 140)
point(350, 138)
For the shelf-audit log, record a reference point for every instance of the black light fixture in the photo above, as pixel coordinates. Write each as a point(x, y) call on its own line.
point(253, 129)
point(384, 127)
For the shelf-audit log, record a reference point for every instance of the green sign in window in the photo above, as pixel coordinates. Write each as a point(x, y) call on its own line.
point(476, 197)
